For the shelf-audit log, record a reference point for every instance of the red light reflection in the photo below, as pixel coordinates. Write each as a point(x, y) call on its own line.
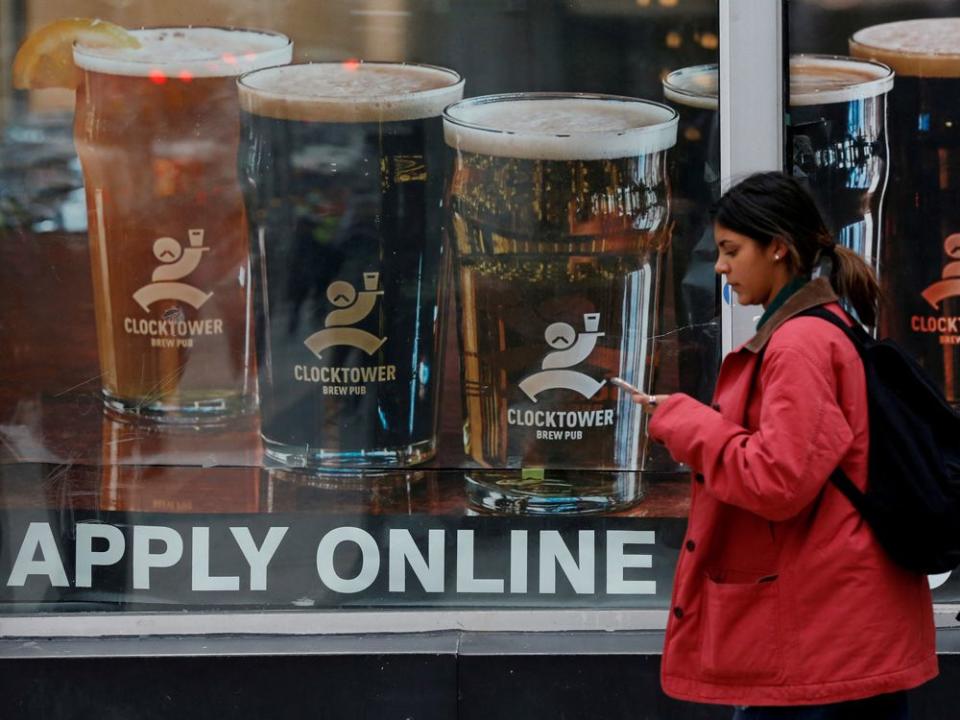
point(229, 58)
point(185, 75)
point(157, 76)
point(351, 64)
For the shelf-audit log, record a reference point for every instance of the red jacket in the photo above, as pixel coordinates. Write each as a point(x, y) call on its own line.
point(782, 595)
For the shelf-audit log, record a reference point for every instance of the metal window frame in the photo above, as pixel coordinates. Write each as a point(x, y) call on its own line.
point(752, 70)
point(495, 632)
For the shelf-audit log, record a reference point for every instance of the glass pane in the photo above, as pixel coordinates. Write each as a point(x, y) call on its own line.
point(874, 128)
point(314, 335)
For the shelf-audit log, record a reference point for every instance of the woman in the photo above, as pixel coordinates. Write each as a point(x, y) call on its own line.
point(783, 603)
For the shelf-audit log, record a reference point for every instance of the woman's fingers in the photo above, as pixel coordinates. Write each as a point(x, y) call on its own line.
point(648, 402)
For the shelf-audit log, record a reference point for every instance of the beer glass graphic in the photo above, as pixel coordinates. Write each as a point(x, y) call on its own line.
point(558, 212)
point(838, 136)
point(922, 214)
point(156, 130)
point(343, 178)
point(695, 186)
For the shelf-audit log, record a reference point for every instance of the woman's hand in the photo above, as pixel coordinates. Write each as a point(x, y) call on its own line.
point(648, 402)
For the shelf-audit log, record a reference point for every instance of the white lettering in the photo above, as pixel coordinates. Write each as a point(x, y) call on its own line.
point(159, 329)
point(200, 567)
point(572, 420)
point(38, 536)
point(345, 375)
point(421, 558)
point(369, 560)
point(144, 560)
point(403, 551)
point(466, 581)
point(87, 557)
point(553, 553)
point(518, 561)
point(258, 558)
point(618, 560)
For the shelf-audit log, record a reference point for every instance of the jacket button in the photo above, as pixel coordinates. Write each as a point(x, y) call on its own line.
point(678, 612)
point(698, 477)
point(691, 545)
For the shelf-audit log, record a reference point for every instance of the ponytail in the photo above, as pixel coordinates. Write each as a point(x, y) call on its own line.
point(853, 280)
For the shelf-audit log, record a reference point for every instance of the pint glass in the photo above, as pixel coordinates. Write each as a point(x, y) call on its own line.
point(156, 131)
point(695, 186)
point(838, 137)
point(559, 210)
point(343, 178)
point(921, 254)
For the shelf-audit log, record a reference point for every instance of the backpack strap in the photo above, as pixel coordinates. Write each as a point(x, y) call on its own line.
point(857, 335)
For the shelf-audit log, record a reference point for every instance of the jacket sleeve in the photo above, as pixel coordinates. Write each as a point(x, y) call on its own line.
point(779, 469)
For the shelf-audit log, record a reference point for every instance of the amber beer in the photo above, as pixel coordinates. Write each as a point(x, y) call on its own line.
point(559, 213)
point(921, 257)
point(156, 130)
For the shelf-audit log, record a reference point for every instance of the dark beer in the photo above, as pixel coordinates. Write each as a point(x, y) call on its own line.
point(837, 132)
point(156, 131)
point(837, 136)
point(343, 171)
point(559, 215)
point(921, 255)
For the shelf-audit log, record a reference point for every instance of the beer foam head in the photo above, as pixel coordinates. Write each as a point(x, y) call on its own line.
point(537, 126)
point(350, 92)
point(814, 80)
point(928, 47)
point(188, 52)
point(827, 79)
point(697, 87)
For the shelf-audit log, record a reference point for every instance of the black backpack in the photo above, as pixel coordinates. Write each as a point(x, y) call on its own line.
point(912, 501)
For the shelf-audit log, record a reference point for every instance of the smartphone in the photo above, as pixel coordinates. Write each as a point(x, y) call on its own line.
point(624, 385)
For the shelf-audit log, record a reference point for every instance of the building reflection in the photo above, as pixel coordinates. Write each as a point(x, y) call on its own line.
point(147, 467)
point(400, 492)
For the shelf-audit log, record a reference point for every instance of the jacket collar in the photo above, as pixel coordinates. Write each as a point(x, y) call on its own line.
point(814, 293)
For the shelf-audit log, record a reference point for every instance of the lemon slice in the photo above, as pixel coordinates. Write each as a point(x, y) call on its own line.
point(45, 59)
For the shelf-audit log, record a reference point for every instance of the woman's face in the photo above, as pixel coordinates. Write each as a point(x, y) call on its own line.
point(755, 272)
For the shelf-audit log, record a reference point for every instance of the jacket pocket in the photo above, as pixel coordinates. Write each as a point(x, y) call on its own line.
point(741, 630)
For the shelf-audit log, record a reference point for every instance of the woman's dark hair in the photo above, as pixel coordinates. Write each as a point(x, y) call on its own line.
point(773, 205)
